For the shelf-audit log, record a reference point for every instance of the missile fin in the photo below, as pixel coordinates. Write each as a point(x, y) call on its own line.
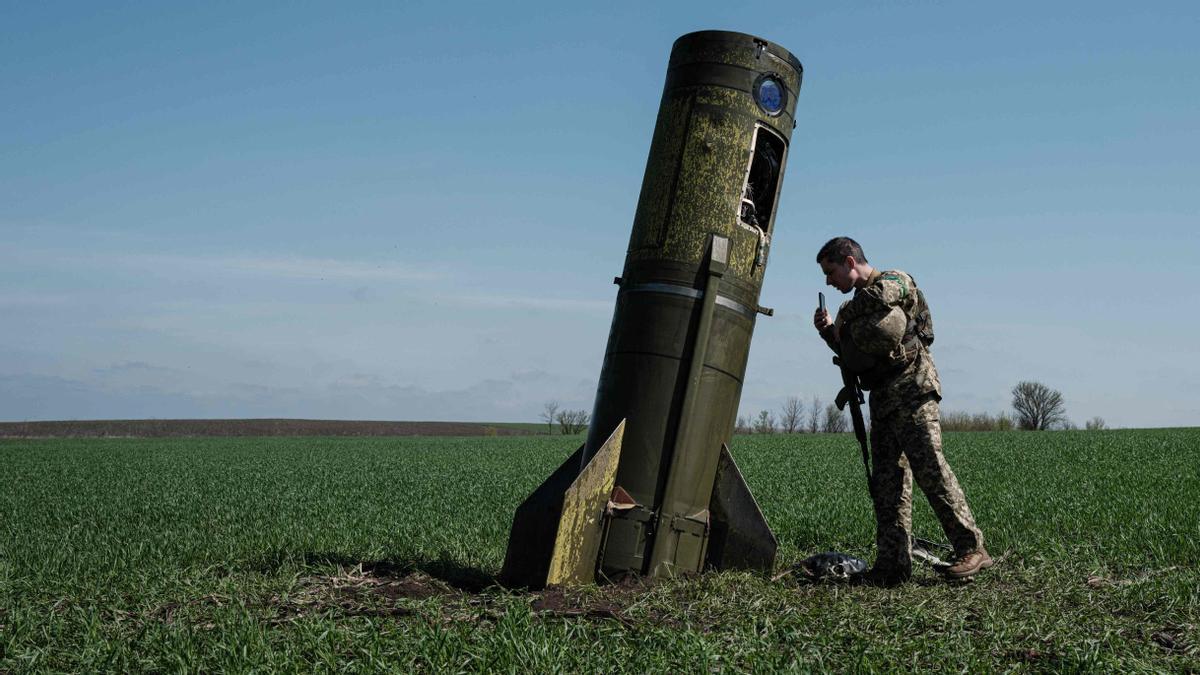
point(556, 531)
point(740, 537)
point(580, 529)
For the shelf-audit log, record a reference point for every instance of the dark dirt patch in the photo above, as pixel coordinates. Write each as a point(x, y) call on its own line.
point(607, 602)
point(361, 583)
point(1174, 639)
point(251, 427)
point(415, 586)
point(396, 591)
point(381, 590)
point(353, 592)
point(448, 572)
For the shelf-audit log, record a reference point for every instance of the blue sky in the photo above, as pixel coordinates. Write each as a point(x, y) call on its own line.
point(415, 210)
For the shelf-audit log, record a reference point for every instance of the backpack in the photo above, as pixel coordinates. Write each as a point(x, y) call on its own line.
point(920, 324)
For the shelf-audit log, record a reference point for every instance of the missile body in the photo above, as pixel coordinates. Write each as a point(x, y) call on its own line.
point(654, 489)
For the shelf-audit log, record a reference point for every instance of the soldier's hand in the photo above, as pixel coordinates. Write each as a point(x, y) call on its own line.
point(821, 320)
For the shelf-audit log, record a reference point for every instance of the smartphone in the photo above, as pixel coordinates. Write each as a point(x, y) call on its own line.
point(821, 301)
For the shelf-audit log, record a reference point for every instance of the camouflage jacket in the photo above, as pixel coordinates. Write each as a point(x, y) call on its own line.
point(908, 375)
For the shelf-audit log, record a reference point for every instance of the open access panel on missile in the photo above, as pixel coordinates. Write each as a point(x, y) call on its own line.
point(654, 489)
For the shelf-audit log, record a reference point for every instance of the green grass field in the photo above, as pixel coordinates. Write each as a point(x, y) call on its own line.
point(365, 554)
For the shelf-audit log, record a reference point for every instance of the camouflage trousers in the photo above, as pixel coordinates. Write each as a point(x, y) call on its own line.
point(904, 444)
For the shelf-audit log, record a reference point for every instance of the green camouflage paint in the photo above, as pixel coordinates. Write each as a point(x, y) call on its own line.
point(688, 239)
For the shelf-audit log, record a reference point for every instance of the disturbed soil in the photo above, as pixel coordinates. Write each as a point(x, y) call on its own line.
point(374, 590)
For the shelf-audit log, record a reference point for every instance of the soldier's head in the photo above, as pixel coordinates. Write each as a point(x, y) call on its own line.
point(843, 263)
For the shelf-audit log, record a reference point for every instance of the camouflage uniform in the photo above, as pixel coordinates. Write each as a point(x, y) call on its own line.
point(906, 435)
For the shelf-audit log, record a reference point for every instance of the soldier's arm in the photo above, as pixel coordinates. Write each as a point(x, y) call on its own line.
point(829, 330)
point(830, 336)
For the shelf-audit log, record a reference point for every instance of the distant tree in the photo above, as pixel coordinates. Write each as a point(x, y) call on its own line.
point(953, 420)
point(765, 424)
point(790, 417)
point(550, 415)
point(835, 420)
point(742, 426)
point(814, 415)
point(1096, 424)
point(1038, 407)
point(582, 419)
point(572, 421)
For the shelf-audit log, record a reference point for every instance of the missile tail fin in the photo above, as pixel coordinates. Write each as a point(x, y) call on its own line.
point(740, 537)
point(556, 532)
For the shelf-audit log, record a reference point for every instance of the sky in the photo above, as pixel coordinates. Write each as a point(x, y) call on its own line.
point(414, 211)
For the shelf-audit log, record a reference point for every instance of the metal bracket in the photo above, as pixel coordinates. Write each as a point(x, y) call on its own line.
point(719, 258)
point(764, 242)
point(696, 524)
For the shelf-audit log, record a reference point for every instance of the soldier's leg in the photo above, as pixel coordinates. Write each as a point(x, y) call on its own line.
point(891, 493)
point(921, 439)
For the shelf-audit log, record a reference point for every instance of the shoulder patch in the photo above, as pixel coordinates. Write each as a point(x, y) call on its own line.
point(899, 280)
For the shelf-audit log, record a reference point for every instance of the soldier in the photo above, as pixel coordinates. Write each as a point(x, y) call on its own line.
point(882, 334)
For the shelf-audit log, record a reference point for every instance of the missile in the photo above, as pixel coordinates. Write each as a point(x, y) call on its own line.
point(654, 490)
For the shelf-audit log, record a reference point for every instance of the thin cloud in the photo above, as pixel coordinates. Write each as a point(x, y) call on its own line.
point(285, 267)
point(291, 267)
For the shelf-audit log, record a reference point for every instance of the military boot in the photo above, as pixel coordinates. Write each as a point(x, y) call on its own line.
point(883, 577)
point(967, 564)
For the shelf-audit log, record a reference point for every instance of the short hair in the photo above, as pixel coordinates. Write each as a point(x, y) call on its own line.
point(836, 250)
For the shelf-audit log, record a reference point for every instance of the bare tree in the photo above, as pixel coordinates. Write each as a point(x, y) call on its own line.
point(572, 421)
point(1096, 424)
point(582, 419)
point(814, 415)
point(742, 426)
point(956, 420)
point(1038, 407)
point(765, 424)
point(835, 420)
point(790, 418)
point(550, 415)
